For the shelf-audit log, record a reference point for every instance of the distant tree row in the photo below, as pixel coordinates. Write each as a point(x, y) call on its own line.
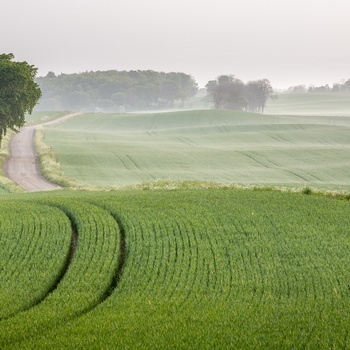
point(115, 90)
point(228, 92)
point(337, 87)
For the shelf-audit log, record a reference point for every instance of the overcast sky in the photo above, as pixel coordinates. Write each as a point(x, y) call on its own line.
point(290, 42)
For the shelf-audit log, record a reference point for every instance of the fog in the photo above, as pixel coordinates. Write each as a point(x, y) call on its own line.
point(289, 42)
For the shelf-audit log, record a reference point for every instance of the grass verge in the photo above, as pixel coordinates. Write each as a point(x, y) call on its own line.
point(6, 185)
point(49, 164)
point(190, 184)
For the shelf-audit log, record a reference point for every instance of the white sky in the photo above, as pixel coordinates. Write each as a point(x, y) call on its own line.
point(290, 42)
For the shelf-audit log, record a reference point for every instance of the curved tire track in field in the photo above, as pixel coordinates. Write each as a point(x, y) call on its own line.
point(120, 268)
point(62, 316)
point(118, 271)
point(59, 277)
point(22, 166)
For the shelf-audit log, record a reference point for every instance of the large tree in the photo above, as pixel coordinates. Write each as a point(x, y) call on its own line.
point(19, 93)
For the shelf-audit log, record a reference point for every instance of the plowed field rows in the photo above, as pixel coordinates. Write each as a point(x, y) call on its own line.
point(188, 269)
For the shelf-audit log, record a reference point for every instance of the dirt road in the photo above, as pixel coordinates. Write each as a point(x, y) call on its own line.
point(22, 166)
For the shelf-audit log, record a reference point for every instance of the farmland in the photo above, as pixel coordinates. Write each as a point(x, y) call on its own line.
point(217, 146)
point(216, 268)
point(311, 104)
point(27, 243)
point(196, 264)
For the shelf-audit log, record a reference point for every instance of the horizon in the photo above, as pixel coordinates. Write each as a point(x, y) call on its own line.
point(284, 88)
point(290, 43)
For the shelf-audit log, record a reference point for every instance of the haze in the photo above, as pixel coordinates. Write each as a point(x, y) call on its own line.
point(290, 42)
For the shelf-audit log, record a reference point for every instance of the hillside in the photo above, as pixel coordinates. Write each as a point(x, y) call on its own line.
point(220, 146)
point(314, 104)
point(215, 268)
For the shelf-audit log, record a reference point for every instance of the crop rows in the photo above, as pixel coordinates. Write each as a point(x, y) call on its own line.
point(34, 246)
point(280, 260)
point(87, 281)
point(196, 269)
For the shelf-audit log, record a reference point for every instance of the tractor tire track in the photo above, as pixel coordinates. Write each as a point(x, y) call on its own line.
point(63, 315)
point(60, 276)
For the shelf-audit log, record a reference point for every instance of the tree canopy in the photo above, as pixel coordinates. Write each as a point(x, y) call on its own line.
point(337, 87)
point(115, 90)
point(229, 92)
point(19, 93)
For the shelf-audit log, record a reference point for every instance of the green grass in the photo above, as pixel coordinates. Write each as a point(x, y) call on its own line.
point(6, 185)
point(215, 146)
point(84, 284)
point(183, 264)
point(34, 246)
point(198, 269)
point(316, 104)
point(3, 190)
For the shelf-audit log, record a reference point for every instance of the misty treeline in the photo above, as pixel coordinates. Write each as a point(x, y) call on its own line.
point(336, 87)
point(229, 92)
point(114, 90)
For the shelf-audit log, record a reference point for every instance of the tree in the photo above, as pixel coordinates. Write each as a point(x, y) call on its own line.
point(187, 87)
point(258, 92)
point(336, 88)
point(346, 85)
point(227, 92)
point(169, 91)
point(18, 92)
point(214, 93)
point(233, 90)
point(297, 89)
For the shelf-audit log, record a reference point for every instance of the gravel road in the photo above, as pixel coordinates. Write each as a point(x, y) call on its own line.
point(22, 166)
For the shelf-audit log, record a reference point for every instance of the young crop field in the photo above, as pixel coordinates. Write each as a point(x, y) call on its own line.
point(181, 269)
point(34, 247)
point(315, 104)
point(217, 146)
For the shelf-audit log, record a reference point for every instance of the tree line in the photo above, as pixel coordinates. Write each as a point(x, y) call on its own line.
point(336, 87)
point(229, 92)
point(115, 90)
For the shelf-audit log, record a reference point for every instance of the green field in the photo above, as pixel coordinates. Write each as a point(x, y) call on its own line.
point(3, 191)
point(215, 267)
point(217, 146)
point(32, 236)
point(316, 104)
point(183, 269)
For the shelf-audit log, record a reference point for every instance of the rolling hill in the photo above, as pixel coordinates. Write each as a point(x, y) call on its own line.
point(217, 146)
